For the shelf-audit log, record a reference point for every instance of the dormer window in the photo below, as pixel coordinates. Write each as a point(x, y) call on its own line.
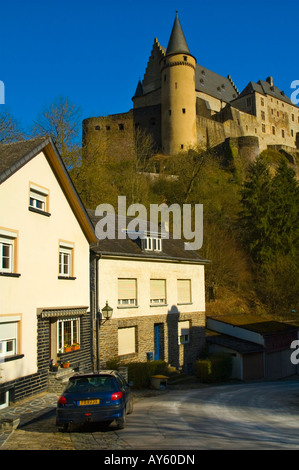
point(152, 244)
point(38, 199)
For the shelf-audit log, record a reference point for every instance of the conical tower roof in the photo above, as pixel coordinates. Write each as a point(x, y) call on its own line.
point(177, 42)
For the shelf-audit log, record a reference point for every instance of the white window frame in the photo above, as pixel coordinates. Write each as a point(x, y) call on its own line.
point(127, 300)
point(158, 300)
point(38, 198)
point(184, 332)
point(7, 238)
point(6, 400)
point(65, 267)
point(61, 340)
point(152, 244)
point(9, 338)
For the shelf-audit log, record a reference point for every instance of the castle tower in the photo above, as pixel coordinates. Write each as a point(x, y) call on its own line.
point(178, 100)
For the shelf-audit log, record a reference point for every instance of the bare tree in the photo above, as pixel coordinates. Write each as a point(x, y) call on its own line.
point(60, 120)
point(10, 130)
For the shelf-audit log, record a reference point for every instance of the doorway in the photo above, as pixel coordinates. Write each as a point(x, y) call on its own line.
point(158, 341)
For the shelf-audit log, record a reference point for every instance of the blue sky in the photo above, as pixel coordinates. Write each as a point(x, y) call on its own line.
point(94, 51)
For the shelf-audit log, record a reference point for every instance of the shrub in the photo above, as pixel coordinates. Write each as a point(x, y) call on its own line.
point(215, 368)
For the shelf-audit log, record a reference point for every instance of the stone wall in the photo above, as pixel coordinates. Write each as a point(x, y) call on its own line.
point(178, 355)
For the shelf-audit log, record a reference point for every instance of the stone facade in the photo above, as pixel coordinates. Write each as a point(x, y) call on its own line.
point(183, 106)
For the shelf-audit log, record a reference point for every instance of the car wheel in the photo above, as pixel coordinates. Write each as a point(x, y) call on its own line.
point(121, 422)
point(130, 407)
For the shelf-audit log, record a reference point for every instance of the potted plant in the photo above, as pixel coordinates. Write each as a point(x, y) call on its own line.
point(65, 364)
point(67, 348)
point(75, 346)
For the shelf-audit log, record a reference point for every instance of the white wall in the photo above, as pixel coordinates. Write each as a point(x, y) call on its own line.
point(111, 269)
point(38, 244)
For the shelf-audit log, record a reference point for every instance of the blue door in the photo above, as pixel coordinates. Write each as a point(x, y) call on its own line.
point(158, 341)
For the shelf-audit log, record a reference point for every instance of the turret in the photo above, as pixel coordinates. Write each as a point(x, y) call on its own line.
point(178, 100)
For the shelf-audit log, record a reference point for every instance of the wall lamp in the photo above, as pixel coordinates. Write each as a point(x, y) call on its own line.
point(107, 311)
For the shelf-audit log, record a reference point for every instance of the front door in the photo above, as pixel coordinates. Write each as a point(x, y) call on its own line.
point(158, 341)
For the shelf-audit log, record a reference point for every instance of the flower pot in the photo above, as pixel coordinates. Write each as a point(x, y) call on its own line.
point(67, 349)
point(65, 365)
point(75, 347)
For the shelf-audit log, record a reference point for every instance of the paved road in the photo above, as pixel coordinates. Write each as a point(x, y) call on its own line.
point(245, 416)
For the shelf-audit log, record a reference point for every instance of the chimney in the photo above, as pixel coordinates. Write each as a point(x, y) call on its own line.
point(270, 80)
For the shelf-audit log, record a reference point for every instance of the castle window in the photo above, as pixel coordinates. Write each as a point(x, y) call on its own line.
point(282, 133)
point(272, 111)
point(169, 112)
point(185, 58)
point(97, 128)
point(107, 128)
point(175, 85)
point(184, 110)
point(263, 128)
point(292, 133)
point(263, 115)
point(293, 117)
point(121, 127)
point(182, 146)
point(262, 102)
point(278, 113)
point(273, 130)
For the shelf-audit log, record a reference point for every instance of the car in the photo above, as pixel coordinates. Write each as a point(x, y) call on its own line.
point(96, 397)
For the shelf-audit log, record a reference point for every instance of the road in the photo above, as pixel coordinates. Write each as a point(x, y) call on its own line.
point(244, 416)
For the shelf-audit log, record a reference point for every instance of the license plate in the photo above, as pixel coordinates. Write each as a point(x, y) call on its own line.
point(89, 402)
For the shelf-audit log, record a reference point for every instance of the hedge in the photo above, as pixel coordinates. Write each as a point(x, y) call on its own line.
point(215, 368)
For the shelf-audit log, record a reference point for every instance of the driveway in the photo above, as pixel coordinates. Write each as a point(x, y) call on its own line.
point(244, 416)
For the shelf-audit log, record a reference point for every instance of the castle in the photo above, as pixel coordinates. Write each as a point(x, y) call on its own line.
point(182, 104)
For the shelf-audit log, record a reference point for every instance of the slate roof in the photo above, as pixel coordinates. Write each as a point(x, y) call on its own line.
point(13, 156)
point(265, 88)
point(177, 41)
point(172, 249)
point(255, 323)
point(214, 84)
point(240, 345)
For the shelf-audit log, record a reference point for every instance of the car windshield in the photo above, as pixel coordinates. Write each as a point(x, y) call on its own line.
point(91, 384)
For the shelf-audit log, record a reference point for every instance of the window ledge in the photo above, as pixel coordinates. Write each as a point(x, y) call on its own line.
point(185, 303)
point(12, 358)
point(67, 278)
point(129, 306)
point(39, 211)
point(158, 305)
point(10, 274)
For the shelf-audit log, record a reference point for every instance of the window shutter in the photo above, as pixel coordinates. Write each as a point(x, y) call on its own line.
point(127, 289)
point(184, 291)
point(126, 341)
point(158, 289)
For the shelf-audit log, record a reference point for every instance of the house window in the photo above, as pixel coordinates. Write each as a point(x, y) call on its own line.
point(38, 198)
point(157, 291)
point(8, 336)
point(7, 251)
point(66, 259)
point(68, 333)
point(152, 244)
point(126, 340)
point(4, 399)
point(184, 332)
point(127, 292)
point(184, 291)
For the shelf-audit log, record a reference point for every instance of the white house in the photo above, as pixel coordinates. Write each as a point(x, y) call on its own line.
point(45, 234)
point(156, 290)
